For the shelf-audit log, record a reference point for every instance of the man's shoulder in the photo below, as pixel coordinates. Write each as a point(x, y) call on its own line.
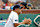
point(13, 13)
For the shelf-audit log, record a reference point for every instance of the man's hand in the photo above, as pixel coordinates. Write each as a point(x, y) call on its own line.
point(27, 21)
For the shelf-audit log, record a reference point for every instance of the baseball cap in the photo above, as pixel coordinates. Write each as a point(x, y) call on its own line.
point(16, 6)
point(25, 4)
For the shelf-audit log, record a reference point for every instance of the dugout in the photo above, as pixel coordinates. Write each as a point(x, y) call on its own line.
point(25, 13)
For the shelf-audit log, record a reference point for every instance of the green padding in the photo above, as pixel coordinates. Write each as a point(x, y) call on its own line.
point(4, 16)
point(31, 16)
point(21, 25)
point(21, 17)
point(38, 20)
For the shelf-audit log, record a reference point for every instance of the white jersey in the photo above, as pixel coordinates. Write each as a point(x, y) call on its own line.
point(13, 18)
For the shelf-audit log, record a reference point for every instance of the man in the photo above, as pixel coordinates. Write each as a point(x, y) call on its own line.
point(13, 18)
point(1, 4)
point(23, 5)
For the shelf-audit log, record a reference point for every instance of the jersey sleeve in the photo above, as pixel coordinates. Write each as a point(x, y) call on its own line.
point(9, 22)
point(15, 19)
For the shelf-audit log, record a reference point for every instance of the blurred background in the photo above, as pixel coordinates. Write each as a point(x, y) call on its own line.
point(32, 11)
point(5, 4)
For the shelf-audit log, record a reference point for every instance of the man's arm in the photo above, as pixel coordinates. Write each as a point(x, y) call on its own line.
point(16, 24)
point(26, 21)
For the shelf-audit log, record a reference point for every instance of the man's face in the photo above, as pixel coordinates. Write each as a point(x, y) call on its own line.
point(1, 3)
point(18, 10)
point(22, 6)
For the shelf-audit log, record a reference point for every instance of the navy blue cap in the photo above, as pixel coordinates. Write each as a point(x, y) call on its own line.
point(16, 6)
point(25, 4)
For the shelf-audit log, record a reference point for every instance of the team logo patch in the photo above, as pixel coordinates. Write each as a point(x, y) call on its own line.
point(16, 20)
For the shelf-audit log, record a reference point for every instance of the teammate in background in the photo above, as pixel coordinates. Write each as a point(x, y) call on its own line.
point(1, 4)
point(13, 18)
point(23, 5)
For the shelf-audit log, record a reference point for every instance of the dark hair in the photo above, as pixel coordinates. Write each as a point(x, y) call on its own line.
point(16, 6)
point(25, 4)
